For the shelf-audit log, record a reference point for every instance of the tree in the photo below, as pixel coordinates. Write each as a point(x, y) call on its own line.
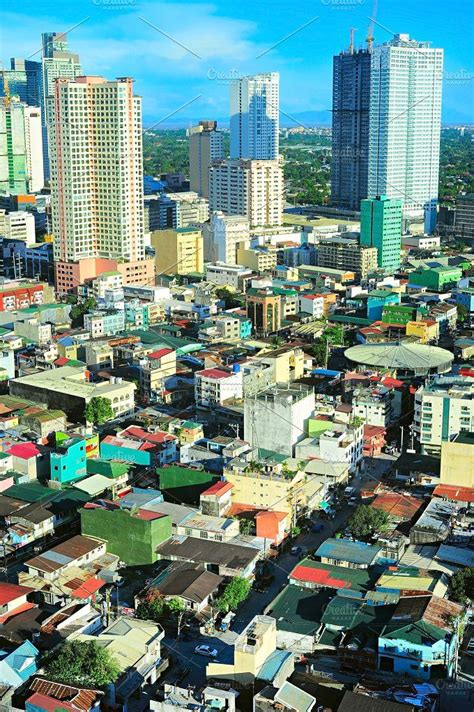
point(234, 594)
point(83, 663)
point(152, 606)
point(175, 606)
point(245, 526)
point(79, 309)
point(99, 410)
point(462, 313)
point(366, 521)
point(227, 296)
point(461, 585)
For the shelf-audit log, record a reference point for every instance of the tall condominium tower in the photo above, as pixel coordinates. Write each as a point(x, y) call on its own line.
point(58, 62)
point(381, 227)
point(405, 124)
point(250, 188)
point(350, 128)
point(254, 117)
point(23, 80)
point(21, 147)
point(97, 172)
point(205, 146)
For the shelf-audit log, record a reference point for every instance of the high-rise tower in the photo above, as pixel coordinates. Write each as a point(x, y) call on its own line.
point(254, 117)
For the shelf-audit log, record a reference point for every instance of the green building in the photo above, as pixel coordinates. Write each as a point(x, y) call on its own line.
point(381, 227)
point(402, 314)
point(184, 484)
point(132, 535)
point(21, 157)
point(437, 279)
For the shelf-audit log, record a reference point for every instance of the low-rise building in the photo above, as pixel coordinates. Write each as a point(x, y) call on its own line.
point(352, 554)
point(215, 386)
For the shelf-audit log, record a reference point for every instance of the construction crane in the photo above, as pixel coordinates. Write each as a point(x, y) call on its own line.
point(351, 45)
point(370, 30)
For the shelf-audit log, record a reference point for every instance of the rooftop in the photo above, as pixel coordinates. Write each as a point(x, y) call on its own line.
point(355, 552)
point(329, 576)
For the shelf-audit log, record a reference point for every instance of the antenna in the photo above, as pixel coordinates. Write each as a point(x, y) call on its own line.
point(370, 29)
point(351, 45)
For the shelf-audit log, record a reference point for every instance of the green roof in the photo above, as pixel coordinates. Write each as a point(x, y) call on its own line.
point(353, 614)
point(381, 293)
point(299, 610)
point(417, 633)
point(190, 424)
point(329, 576)
point(46, 415)
point(108, 468)
point(29, 492)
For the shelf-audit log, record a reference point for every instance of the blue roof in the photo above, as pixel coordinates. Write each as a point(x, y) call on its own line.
point(66, 341)
point(326, 372)
point(273, 664)
point(354, 552)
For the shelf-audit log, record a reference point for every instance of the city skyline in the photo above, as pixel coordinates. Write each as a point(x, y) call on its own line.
point(184, 55)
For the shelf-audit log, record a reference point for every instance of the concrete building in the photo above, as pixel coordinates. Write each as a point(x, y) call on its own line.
point(252, 188)
point(205, 146)
point(457, 460)
point(19, 225)
point(191, 209)
point(405, 124)
point(21, 147)
point(215, 386)
point(254, 117)
point(264, 310)
point(67, 388)
point(381, 227)
point(443, 409)
point(233, 276)
point(376, 406)
point(222, 236)
point(348, 254)
point(276, 418)
point(464, 218)
point(350, 128)
point(178, 251)
point(312, 304)
point(57, 62)
point(97, 211)
point(258, 259)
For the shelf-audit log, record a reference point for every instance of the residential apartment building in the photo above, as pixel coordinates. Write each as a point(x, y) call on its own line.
point(19, 225)
point(350, 128)
point(276, 418)
point(405, 123)
point(348, 254)
point(253, 188)
point(222, 236)
point(104, 323)
point(254, 117)
point(205, 145)
point(258, 259)
point(464, 217)
point(374, 405)
point(21, 147)
point(191, 209)
point(97, 180)
point(178, 251)
point(381, 227)
point(233, 276)
point(443, 408)
point(215, 386)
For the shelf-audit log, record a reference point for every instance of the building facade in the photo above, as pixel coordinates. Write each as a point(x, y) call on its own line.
point(254, 117)
point(21, 147)
point(205, 146)
point(381, 227)
point(405, 124)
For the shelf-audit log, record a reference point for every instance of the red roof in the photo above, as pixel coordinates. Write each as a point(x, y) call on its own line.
point(24, 450)
point(373, 431)
point(10, 591)
point(454, 492)
point(402, 506)
point(312, 574)
point(160, 353)
point(213, 373)
point(61, 361)
point(270, 514)
point(312, 297)
point(147, 515)
point(88, 588)
point(49, 704)
point(158, 437)
point(16, 611)
point(218, 488)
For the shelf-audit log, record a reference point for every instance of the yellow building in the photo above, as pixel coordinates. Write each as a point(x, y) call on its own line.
point(259, 259)
point(178, 251)
point(251, 649)
point(273, 486)
point(67, 349)
point(457, 461)
point(287, 363)
point(426, 330)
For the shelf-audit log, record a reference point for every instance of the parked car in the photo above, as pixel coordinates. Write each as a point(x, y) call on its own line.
point(206, 650)
point(296, 550)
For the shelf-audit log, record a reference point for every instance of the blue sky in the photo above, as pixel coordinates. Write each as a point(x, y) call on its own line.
point(182, 54)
